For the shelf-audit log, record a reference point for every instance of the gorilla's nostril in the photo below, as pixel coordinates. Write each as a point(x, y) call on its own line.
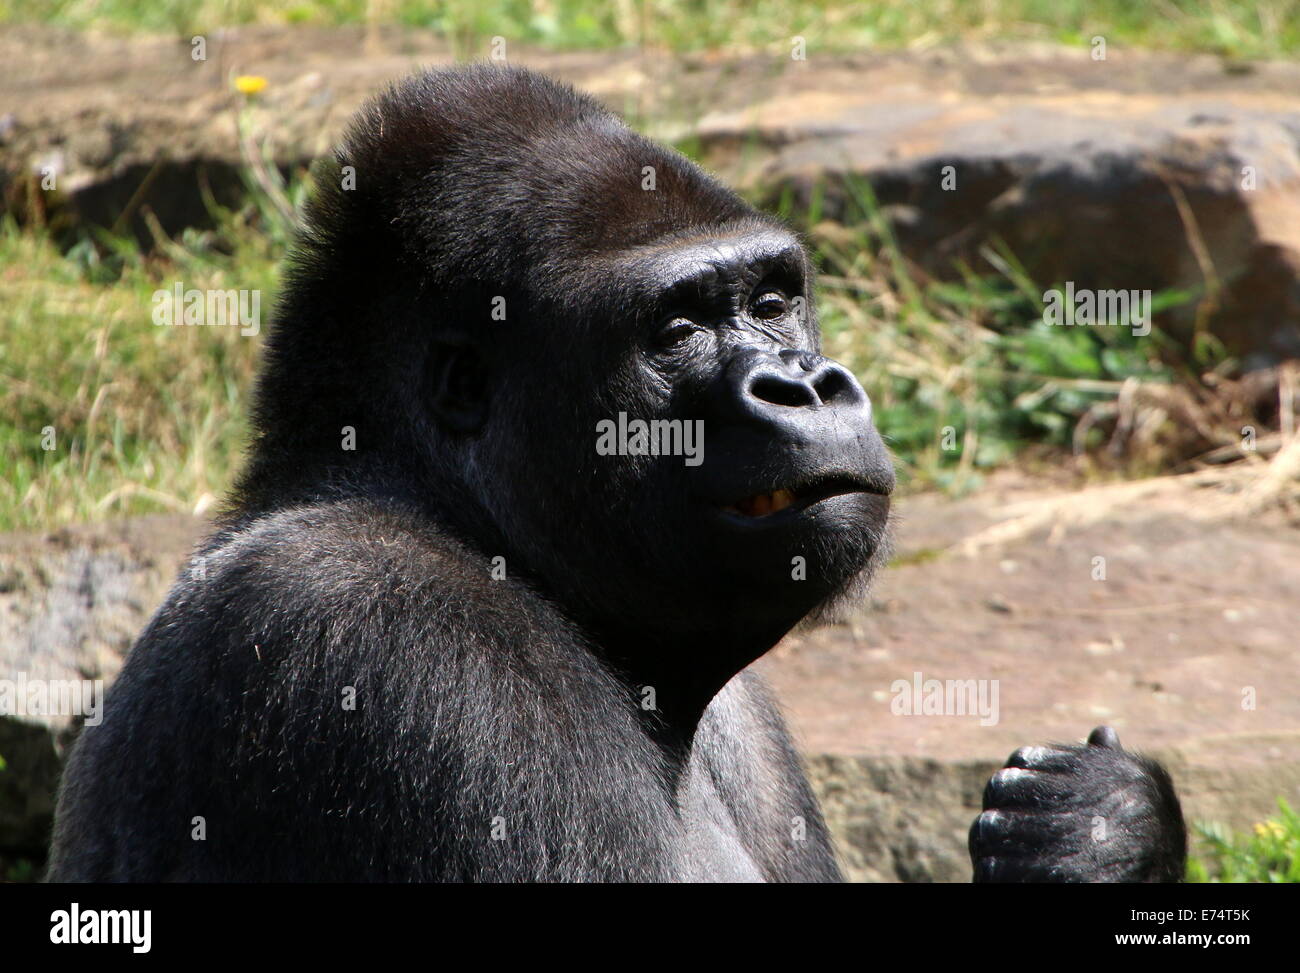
point(782, 391)
point(835, 386)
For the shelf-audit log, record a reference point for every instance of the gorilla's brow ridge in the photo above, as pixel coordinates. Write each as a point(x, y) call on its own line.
point(670, 263)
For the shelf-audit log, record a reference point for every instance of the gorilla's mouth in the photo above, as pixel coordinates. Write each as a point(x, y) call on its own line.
point(796, 498)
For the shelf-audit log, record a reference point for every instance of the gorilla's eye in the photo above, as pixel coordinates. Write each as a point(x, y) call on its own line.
point(769, 305)
point(674, 331)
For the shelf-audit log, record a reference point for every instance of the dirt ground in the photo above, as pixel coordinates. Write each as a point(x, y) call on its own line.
point(1192, 615)
point(136, 75)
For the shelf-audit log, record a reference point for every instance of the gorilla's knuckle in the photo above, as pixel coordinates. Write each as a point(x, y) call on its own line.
point(1013, 777)
point(1029, 757)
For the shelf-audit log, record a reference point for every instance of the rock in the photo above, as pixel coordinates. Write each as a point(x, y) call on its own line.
point(71, 604)
point(900, 819)
point(1102, 174)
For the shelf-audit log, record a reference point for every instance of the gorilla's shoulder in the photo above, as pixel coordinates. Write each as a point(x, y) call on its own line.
point(347, 577)
point(348, 546)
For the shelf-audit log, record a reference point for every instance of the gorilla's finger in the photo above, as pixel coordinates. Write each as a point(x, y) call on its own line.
point(1104, 736)
point(1015, 787)
point(1046, 759)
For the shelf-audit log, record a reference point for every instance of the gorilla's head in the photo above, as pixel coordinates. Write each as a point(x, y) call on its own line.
point(499, 283)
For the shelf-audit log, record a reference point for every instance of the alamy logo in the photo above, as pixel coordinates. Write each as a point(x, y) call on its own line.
point(950, 697)
point(75, 925)
point(52, 697)
point(656, 437)
point(210, 308)
point(1081, 307)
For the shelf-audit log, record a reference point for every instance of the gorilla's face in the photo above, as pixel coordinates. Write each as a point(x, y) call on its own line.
point(612, 381)
point(730, 478)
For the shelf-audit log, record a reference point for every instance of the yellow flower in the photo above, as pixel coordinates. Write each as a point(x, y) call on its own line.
point(249, 84)
point(1269, 829)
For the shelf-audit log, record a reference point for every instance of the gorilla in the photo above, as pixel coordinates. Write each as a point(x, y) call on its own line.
point(544, 454)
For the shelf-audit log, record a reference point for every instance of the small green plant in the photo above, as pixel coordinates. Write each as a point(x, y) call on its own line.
point(964, 373)
point(1271, 853)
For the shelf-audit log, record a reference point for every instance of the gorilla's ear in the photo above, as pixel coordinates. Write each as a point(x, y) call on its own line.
point(458, 385)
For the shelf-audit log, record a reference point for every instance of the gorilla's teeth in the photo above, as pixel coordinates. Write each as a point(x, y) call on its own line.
point(765, 503)
point(781, 499)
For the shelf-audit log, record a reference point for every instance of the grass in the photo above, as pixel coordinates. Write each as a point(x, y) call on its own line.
point(1271, 853)
point(965, 374)
point(144, 418)
point(1238, 28)
point(102, 411)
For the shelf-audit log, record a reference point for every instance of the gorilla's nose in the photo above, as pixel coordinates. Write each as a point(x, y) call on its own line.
point(795, 379)
point(796, 416)
point(799, 395)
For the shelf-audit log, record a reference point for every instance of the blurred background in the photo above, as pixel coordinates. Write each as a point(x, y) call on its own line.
point(1100, 518)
